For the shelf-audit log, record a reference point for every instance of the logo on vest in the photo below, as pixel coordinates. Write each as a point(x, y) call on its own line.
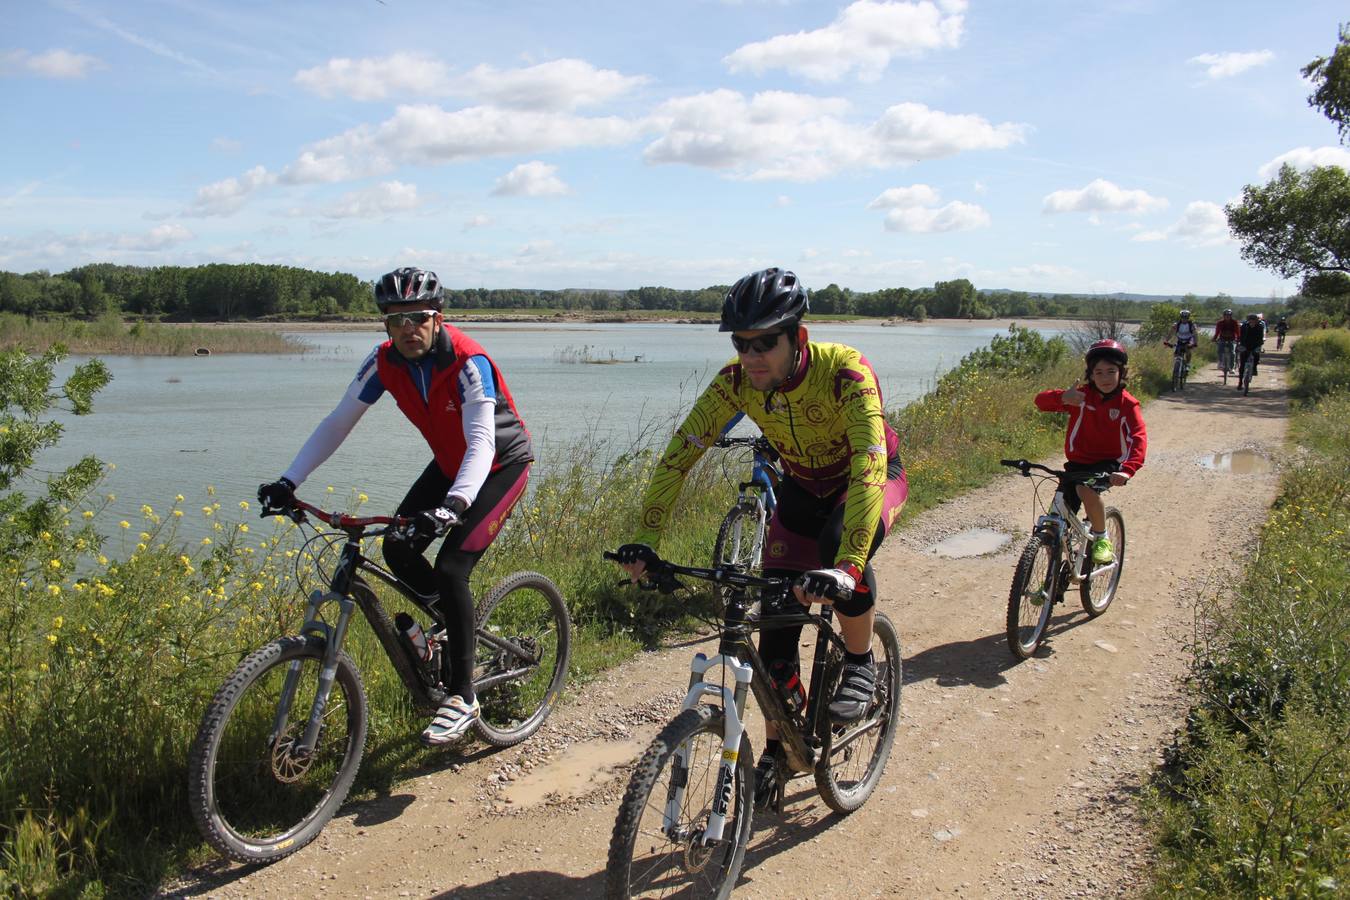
point(450, 405)
point(1114, 414)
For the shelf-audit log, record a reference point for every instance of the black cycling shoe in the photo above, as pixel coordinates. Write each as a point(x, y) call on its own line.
point(857, 687)
point(768, 784)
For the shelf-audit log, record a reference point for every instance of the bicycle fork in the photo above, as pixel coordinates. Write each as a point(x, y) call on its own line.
point(332, 636)
point(733, 708)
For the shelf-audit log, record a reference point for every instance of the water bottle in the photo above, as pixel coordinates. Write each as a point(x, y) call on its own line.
point(789, 685)
point(413, 634)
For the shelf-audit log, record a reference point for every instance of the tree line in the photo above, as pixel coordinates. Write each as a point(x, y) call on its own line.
point(220, 292)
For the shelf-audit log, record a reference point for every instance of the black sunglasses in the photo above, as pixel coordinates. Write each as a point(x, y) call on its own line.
point(416, 317)
point(762, 344)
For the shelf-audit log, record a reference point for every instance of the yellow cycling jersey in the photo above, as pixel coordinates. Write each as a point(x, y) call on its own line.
point(827, 423)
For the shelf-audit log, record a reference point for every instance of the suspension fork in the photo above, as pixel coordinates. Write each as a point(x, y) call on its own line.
point(333, 636)
point(733, 711)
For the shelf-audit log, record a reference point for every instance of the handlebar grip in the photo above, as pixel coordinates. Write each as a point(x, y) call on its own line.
point(611, 555)
point(1010, 462)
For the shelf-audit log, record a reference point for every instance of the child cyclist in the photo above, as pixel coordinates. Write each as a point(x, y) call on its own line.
point(1105, 434)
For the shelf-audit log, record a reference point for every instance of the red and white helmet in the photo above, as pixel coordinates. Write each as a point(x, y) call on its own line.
point(1107, 349)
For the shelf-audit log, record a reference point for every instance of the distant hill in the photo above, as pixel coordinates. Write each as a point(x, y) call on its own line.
point(1121, 295)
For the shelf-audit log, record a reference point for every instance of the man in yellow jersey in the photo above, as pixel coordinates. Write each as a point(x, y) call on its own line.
point(843, 485)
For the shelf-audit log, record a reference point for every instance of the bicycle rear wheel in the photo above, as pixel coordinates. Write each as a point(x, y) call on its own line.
point(856, 756)
point(520, 660)
point(1032, 595)
point(650, 857)
point(254, 797)
point(1097, 591)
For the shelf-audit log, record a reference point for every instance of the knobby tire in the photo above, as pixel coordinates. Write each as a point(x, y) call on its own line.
point(1096, 593)
point(644, 861)
point(255, 802)
point(1032, 594)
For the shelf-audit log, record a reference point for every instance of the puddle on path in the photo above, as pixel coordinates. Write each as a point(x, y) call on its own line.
point(975, 542)
point(1238, 462)
point(584, 768)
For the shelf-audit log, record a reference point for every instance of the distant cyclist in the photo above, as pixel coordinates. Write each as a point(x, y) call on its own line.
point(1225, 333)
point(448, 387)
point(842, 488)
point(1251, 336)
point(1281, 329)
point(1184, 334)
point(1105, 434)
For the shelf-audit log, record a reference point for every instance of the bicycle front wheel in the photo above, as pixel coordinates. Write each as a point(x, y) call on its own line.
point(1099, 587)
point(255, 795)
point(524, 642)
point(849, 772)
point(657, 849)
point(738, 540)
point(1032, 595)
point(1176, 373)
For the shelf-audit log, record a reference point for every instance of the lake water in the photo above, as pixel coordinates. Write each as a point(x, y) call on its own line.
point(175, 425)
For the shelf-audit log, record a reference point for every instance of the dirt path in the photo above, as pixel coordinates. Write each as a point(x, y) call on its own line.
point(1007, 780)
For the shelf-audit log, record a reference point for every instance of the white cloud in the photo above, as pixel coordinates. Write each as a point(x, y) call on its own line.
point(562, 84)
point(782, 201)
point(531, 179)
point(226, 196)
point(1203, 224)
point(865, 36)
point(375, 202)
point(1304, 158)
point(478, 221)
point(1226, 65)
point(375, 79)
point(430, 135)
point(915, 210)
point(52, 64)
point(157, 238)
point(796, 137)
point(906, 197)
point(84, 246)
point(1102, 196)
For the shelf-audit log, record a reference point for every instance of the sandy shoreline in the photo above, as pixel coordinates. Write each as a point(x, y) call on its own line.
point(374, 326)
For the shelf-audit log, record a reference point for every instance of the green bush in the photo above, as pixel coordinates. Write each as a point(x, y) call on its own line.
point(1319, 363)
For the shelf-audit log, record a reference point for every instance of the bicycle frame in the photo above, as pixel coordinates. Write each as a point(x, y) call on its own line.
point(1227, 353)
point(1069, 532)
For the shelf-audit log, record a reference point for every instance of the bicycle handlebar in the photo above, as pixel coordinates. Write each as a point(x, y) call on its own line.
point(298, 509)
point(662, 577)
point(1025, 466)
point(758, 443)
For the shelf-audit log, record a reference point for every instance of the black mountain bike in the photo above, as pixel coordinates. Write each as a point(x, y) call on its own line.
point(685, 819)
point(281, 741)
point(1181, 367)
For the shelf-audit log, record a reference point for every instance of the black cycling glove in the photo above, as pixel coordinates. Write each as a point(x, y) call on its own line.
point(279, 495)
point(432, 523)
point(632, 553)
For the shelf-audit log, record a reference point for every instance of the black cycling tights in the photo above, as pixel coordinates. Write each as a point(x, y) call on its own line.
point(823, 518)
point(450, 577)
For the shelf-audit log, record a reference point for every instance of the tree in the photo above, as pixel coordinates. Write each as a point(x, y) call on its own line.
point(1298, 224)
point(1331, 75)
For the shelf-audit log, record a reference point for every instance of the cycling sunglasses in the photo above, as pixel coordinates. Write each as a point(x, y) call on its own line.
point(762, 344)
point(416, 317)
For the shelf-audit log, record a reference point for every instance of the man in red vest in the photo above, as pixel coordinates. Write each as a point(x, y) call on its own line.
point(447, 386)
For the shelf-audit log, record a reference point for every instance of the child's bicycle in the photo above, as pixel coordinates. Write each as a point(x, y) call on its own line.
point(1057, 555)
point(1227, 357)
point(685, 820)
point(1181, 368)
point(740, 540)
point(281, 741)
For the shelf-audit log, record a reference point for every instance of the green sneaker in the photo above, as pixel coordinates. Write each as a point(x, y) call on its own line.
point(1102, 552)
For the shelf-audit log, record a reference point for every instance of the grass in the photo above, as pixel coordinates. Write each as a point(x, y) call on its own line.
point(1256, 799)
point(111, 648)
point(109, 335)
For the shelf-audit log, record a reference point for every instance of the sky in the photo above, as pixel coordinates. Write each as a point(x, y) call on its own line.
point(1046, 145)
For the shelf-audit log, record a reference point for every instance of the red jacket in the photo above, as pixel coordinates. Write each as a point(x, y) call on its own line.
point(1226, 329)
point(439, 417)
point(1101, 428)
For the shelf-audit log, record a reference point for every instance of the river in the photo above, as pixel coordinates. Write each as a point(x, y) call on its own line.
point(178, 425)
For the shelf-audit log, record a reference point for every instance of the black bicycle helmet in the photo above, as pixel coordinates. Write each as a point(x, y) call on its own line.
point(764, 299)
point(409, 285)
point(1107, 349)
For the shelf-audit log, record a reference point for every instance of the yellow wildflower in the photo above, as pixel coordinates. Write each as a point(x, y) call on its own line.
point(124, 524)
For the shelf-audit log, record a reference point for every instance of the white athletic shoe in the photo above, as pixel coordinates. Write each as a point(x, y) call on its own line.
point(452, 720)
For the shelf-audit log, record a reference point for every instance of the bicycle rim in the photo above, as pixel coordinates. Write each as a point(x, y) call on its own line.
point(648, 859)
point(255, 799)
point(1032, 595)
point(858, 753)
point(1098, 592)
point(524, 632)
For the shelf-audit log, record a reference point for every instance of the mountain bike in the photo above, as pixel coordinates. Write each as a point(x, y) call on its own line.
point(280, 743)
point(1227, 358)
point(1181, 367)
point(1279, 340)
point(685, 820)
point(1248, 370)
point(740, 539)
point(1057, 555)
